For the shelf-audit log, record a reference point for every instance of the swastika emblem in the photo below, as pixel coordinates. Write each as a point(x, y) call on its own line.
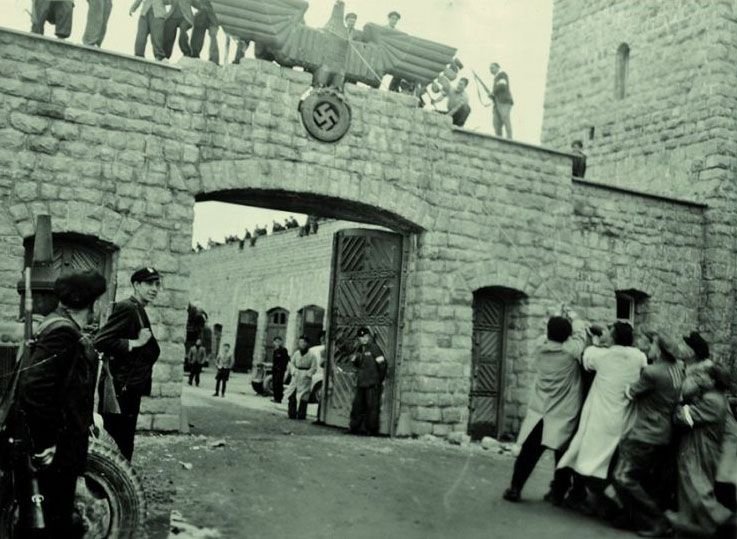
point(325, 114)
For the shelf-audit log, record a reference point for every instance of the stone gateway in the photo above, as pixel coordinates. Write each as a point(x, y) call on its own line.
point(118, 150)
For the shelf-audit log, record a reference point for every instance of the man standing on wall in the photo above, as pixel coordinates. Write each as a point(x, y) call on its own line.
point(179, 18)
point(501, 95)
point(98, 13)
point(57, 12)
point(151, 22)
point(279, 365)
point(126, 339)
point(205, 21)
point(196, 358)
point(579, 161)
point(370, 362)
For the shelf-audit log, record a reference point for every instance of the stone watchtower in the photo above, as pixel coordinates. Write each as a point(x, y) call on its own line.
point(649, 87)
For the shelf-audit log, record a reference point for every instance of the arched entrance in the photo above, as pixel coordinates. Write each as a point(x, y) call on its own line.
point(310, 321)
point(492, 308)
point(276, 326)
point(245, 340)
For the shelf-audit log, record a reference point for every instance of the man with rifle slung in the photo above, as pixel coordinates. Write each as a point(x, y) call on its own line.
point(56, 388)
point(127, 341)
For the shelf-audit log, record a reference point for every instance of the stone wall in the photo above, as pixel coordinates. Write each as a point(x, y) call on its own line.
point(121, 148)
point(673, 132)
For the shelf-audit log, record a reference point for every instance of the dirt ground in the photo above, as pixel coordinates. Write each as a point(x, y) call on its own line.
point(248, 471)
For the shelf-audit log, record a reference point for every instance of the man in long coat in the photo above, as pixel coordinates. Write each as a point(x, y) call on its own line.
point(371, 368)
point(303, 366)
point(127, 341)
point(554, 406)
point(196, 358)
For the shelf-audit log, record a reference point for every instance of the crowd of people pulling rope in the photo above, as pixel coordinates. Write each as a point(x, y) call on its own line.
point(642, 413)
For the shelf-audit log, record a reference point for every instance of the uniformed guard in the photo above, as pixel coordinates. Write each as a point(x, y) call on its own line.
point(280, 362)
point(127, 341)
point(56, 397)
point(371, 364)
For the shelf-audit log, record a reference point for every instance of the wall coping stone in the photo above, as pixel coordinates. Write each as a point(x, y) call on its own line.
point(513, 142)
point(638, 192)
point(94, 50)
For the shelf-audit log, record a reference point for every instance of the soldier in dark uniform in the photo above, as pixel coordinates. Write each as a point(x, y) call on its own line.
point(371, 364)
point(56, 396)
point(279, 368)
point(127, 341)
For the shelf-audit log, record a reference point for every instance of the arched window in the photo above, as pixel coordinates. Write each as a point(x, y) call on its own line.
point(621, 71)
point(276, 326)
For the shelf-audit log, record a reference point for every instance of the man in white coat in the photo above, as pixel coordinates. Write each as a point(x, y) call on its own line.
point(303, 366)
point(555, 403)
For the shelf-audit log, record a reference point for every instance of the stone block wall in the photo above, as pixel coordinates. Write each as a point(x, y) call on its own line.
point(674, 130)
point(121, 148)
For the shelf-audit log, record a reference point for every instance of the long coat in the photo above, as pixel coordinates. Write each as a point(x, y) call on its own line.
point(131, 369)
point(302, 368)
point(557, 393)
point(607, 413)
point(703, 419)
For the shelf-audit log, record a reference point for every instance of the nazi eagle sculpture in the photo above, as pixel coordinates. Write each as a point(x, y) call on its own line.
point(280, 33)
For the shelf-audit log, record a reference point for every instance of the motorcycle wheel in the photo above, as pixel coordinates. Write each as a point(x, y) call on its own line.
point(110, 497)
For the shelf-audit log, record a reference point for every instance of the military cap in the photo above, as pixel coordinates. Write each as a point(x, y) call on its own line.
point(145, 274)
point(80, 289)
point(394, 14)
point(364, 331)
point(697, 344)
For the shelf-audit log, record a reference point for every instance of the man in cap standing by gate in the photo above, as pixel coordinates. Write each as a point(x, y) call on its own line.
point(371, 364)
point(127, 341)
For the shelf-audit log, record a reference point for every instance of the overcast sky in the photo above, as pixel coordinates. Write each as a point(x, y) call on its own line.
point(515, 33)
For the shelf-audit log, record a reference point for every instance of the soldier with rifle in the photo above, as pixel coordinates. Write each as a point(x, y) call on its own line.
point(501, 97)
point(54, 407)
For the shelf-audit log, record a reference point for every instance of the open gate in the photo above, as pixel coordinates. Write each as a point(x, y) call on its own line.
point(366, 290)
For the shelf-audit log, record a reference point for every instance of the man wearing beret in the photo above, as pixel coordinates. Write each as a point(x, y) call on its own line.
point(371, 368)
point(56, 391)
point(127, 341)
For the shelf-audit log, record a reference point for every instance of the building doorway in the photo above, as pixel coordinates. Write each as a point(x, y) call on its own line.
point(310, 323)
point(245, 340)
point(490, 320)
point(276, 326)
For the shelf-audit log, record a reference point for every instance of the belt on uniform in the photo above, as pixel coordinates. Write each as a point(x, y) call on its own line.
point(303, 368)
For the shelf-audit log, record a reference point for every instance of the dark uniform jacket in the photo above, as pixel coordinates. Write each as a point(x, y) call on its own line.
point(370, 372)
point(132, 369)
point(281, 358)
point(57, 390)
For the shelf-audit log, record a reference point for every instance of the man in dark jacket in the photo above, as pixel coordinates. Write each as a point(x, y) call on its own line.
point(371, 365)
point(501, 96)
point(279, 368)
point(56, 396)
point(127, 341)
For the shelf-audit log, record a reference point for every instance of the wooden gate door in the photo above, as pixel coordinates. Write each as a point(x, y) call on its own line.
point(365, 290)
point(487, 368)
point(245, 341)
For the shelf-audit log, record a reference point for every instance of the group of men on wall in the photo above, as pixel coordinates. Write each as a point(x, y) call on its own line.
point(160, 26)
point(640, 412)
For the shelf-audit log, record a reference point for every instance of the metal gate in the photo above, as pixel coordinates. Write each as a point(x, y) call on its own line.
point(245, 340)
point(487, 374)
point(365, 290)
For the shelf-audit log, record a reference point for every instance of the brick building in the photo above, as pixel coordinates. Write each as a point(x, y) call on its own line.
point(488, 235)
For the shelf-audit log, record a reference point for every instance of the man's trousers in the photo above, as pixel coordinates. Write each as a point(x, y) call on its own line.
point(365, 410)
point(122, 426)
point(502, 119)
point(153, 26)
point(98, 13)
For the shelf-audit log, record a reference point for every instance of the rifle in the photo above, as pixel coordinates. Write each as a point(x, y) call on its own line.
point(30, 499)
point(485, 87)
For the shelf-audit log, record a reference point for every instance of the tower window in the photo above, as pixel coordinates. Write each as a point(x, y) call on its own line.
point(621, 71)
